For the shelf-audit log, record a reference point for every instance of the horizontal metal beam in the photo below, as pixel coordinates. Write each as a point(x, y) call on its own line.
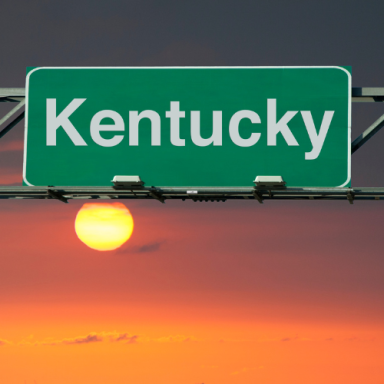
point(359, 94)
point(367, 94)
point(192, 193)
point(12, 94)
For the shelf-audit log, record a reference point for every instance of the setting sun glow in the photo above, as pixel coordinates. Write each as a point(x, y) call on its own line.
point(104, 226)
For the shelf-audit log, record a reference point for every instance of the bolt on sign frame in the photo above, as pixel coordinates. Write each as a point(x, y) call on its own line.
point(258, 193)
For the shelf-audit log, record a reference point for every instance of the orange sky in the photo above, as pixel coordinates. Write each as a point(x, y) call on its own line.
point(202, 293)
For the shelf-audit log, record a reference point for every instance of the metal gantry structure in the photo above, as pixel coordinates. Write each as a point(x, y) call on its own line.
point(63, 193)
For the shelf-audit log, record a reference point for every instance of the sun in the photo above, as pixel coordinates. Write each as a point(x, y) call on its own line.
point(104, 226)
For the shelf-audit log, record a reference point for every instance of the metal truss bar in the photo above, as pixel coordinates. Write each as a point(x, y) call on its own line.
point(12, 112)
point(12, 124)
point(158, 196)
point(203, 194)
point(5, 94)
point(258, 196)
point(12, 94)
point(350, 197)
point(367, 94)
point(367, 134)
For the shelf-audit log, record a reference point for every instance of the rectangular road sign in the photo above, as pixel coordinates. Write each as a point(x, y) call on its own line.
point(188, 126)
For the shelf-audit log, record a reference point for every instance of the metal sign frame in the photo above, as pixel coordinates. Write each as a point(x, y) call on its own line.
point(62, 193)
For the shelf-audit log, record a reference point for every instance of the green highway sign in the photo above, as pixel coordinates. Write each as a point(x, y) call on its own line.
point(188, 126)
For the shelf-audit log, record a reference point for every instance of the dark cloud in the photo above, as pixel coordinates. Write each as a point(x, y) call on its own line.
point(290, 338)
point(146, 248)
point(132, 339)
point(111, 337)
point(121, 337)
point(125, 337)
point(176, 339)
point(91, 338)
point(150, 247)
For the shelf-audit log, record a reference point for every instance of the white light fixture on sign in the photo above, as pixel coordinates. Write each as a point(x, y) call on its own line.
point(269, 182)
point(127, 182)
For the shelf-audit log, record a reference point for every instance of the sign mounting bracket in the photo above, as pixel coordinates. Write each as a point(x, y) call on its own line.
point(56, 195)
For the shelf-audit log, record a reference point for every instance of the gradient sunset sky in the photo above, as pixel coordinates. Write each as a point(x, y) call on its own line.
point(213, 293)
